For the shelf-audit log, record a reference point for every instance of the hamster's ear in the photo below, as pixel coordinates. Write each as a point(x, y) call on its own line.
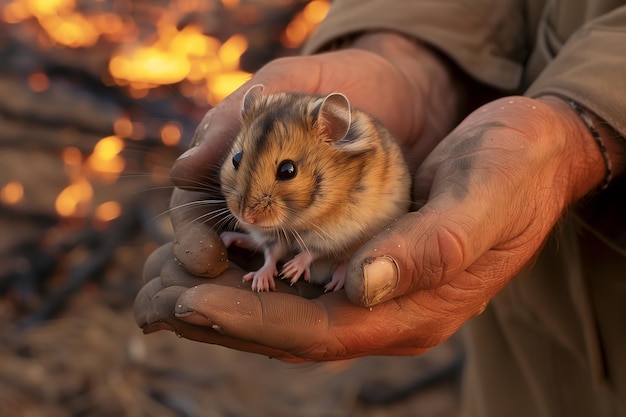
point(252, 96)
point(335, 116)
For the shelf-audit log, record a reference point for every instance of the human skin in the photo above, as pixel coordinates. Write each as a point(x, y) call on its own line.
point(487, 194)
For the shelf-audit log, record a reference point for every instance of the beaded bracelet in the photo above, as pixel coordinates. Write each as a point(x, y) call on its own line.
point(596, 136)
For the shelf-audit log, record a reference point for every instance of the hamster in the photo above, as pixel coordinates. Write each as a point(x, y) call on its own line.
point(310, 178)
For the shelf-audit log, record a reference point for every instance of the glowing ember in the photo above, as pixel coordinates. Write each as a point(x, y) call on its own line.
point(230, 52)
point(179, 55)
point(49, 7)
point(108, 148)
point(304, 23)
point(38, 82)
point(105, 160)
point(149, 65)
point(108, 211)
point(170, 134)
point(221, 85)
point(12, 193)
point(74, 200)
point(73, 160)
point(123, 127)
point(71, 29)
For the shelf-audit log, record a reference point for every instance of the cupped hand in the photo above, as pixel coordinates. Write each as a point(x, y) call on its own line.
point(488, 197)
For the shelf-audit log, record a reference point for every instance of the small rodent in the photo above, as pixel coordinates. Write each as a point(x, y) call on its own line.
point(309, 177)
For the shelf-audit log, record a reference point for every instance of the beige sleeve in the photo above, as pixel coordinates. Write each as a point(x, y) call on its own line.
point(591, 69)
point(484, 37)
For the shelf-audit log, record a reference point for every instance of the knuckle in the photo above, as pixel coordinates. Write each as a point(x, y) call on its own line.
point(444, 255)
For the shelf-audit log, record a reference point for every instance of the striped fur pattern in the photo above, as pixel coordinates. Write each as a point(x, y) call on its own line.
point(346, 188)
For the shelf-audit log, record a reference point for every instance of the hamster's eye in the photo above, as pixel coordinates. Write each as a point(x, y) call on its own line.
point(237, 159)
point(286, 170)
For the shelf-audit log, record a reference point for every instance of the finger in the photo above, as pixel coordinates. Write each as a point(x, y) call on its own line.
point(153, 265)
point(328, 328)
point(172, 274)
point(421, 251)
point(286, 322)
point(477, 202)
point(198, 167)
point(154, 311)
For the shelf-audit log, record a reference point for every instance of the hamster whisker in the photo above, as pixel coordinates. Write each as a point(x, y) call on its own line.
point(300, 240)
point(226, 222)
point(323, 234)
point(221, 212)
point(187, 206)
point(282, 231)
point(208, 216)
point(211, 184)
point(192, 204)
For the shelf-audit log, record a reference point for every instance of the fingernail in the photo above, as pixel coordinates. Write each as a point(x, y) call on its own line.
point(189, 152)
point(380, 279)
point(183, 311)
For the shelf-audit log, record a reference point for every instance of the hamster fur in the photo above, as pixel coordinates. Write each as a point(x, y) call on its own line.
point(309, 178)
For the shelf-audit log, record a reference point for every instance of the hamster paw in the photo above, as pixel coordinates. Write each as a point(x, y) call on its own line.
point(297, 267)
point(338, 279)
point(262, 280)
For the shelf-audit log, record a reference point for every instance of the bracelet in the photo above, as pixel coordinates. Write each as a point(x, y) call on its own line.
point(596, 136)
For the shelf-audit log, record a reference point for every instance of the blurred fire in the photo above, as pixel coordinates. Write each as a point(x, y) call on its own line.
point(74, 200)
point(108, 211)
point(67, 27)
point(299, 29)
point(201, 67)
point(38, 82)
point(105, 162)
point(12, 193)
point(104, 165)
point(170, 134)
point(178, 55)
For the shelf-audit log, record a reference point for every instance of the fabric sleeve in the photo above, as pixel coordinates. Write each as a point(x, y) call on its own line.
point(486, 38)
point(591, 69)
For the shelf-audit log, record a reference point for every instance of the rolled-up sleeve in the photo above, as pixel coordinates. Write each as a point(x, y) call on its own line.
point(485, 38)
point(591, 69)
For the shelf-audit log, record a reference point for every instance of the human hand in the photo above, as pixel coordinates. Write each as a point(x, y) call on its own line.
point(491, 192)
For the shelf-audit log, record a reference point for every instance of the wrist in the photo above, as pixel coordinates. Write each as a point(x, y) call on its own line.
point(595, 150)
point(437, 89)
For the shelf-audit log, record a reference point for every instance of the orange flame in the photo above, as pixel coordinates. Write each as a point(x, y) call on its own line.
point(12, 193)
point(170, 134)
point(304, 23)
point(179, 55)
point(74, 200)
point(105, 160)
point(123, 127)
point(65, 26)
point(104, 164)
point(38, 82)
point(108, 211)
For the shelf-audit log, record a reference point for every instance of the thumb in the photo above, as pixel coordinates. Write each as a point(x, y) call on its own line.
point(423, 250)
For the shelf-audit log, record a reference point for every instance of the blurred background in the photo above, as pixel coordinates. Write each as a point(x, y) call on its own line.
point(97, 99)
